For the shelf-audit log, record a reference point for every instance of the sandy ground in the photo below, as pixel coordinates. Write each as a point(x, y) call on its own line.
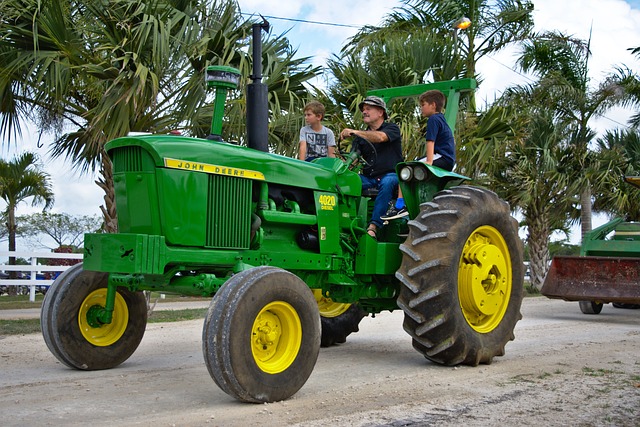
point(564, 368)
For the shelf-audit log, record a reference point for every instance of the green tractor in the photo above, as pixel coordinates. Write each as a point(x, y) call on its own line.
point(280, 246)
point(607, 270)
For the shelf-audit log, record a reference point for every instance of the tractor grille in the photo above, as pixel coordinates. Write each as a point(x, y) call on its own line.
point(127, 159)
point(228, 212)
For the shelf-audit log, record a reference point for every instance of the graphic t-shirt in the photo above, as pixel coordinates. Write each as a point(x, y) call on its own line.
point(318, 143)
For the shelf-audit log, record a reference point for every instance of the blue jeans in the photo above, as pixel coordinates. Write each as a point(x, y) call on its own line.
point(386, 185)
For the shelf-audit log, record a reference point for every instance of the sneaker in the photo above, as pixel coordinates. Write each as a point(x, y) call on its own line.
point(395, 213)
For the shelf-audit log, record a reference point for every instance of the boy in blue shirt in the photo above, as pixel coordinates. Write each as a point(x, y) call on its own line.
point(440, 146)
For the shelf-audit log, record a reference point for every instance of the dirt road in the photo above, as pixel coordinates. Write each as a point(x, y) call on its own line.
point(564, 368)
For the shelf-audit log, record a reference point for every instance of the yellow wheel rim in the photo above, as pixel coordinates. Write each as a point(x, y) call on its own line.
point(276, 337)
point(484, 279)
point(327, 307)
point(107, 334)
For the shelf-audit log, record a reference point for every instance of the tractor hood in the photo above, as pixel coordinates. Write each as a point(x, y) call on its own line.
point(220, 158)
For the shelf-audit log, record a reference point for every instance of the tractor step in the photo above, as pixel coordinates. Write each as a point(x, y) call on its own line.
point(590, 278)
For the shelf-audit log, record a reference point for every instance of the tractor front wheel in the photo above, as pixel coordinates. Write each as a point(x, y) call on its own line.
point(261, 336)
point(72, 334)
point(462, 277)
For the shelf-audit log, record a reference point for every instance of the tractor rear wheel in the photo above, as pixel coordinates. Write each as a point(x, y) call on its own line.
point(261, 336)
point(338, 320)
point(462, 277)
point(75, 339)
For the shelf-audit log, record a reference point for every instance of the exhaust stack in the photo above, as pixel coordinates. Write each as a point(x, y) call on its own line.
point(257, 96)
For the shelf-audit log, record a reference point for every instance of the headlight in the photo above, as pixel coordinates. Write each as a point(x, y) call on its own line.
point(420, 173)
point(406, 173)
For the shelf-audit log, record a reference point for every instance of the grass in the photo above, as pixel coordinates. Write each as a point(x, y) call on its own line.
point(32, 326)
point(531, 291)
point(543, 375)
point(12, 302)
point(597, 372)
point(164, 316)
point(19, 327)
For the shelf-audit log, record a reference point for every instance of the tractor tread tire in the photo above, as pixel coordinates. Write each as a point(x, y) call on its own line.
point(335, 330)
point(429, 277)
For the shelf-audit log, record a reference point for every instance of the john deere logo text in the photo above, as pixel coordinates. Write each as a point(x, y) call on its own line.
point(213, 169)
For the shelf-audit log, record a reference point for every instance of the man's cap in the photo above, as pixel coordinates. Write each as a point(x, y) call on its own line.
point(375, 101)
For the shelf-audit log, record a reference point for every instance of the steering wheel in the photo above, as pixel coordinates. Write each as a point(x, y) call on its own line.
point(368, 158)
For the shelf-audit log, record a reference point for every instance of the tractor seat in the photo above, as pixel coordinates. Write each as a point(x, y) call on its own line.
point(370, 192)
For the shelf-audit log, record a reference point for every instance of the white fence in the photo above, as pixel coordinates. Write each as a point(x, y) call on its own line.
point(33, 269)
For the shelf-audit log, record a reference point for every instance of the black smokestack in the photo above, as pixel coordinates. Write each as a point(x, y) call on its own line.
point(257, 96)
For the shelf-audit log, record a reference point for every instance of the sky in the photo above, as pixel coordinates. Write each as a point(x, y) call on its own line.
point(612, 24)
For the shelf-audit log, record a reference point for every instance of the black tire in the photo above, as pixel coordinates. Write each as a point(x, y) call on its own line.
point(261, 336)
point(590, 307)
point(462, 276)
point(338, 320)
point(626, 305)
point(65, 308)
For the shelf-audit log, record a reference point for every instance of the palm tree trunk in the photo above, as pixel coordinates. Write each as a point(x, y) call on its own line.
point(471, 73)
point(109, 208)
point(538, 241)
point(585, 211)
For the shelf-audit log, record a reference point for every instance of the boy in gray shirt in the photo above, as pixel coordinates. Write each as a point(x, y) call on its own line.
point(315, 139)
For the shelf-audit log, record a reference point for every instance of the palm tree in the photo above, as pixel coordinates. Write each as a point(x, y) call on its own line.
point(414, 41)
point(92, 65)
point(629, 81)
point(527, 167)
point(617, 156)
point(128, 65)
point(562, 64)
point(355, 75)
point(22, 179)
point(494, 25)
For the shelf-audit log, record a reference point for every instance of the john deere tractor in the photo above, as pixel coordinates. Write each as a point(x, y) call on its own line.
point(280, 246)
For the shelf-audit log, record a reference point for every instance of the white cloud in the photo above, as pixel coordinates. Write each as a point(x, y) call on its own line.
point(287, 8)
point(611, 25)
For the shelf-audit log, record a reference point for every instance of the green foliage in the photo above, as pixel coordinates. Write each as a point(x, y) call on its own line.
point(103, 69)
point(617, 156)
point(563, 248)
point(538, 157)
point(417, 39)
point(21, 179)
point(62, 228)
point(555, 54)
point(526, 159)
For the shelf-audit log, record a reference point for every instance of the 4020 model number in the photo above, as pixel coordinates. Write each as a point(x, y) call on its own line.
point(327, 202)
